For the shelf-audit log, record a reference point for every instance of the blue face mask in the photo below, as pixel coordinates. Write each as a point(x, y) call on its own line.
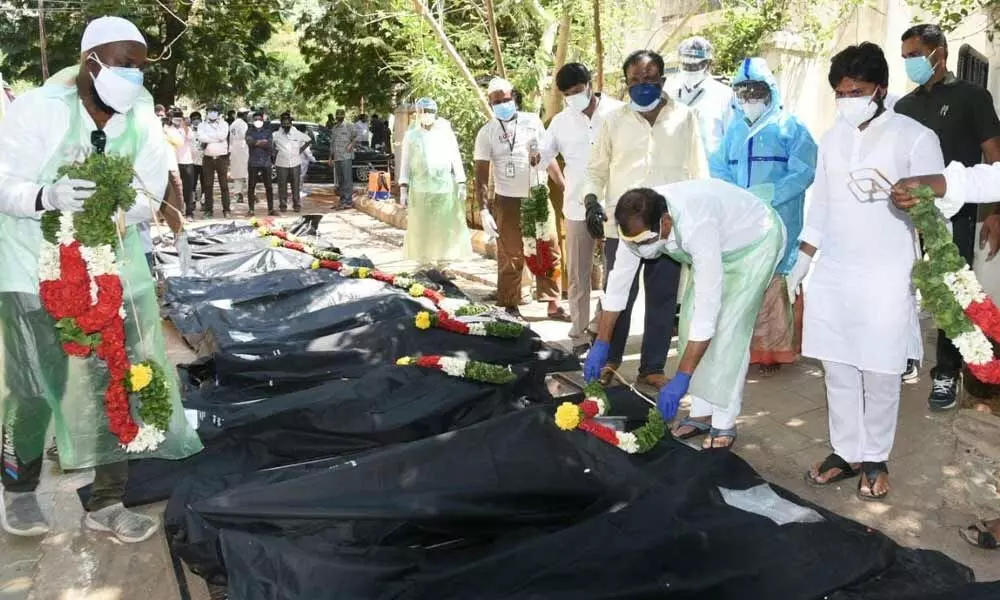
point(505, 111)
point(919, 68)
point(645, 96)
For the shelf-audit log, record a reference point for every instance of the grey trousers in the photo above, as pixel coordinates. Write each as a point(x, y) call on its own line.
point(345, 181)
point(285, 175)
point(579, 263)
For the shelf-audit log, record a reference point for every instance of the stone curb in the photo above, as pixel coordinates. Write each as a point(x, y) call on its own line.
point(393, 214)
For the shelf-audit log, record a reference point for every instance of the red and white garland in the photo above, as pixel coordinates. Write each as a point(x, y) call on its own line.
point(975, 346)
point(583, 416)
point(81, 288)
point(537, 237)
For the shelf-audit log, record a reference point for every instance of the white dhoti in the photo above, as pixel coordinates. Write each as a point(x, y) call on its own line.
point(863, 411)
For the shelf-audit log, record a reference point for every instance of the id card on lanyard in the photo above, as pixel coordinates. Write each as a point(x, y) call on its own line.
point(510, 170)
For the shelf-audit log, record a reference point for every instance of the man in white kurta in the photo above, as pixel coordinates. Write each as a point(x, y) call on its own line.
point(239, 154)
point(733, 241)
point(861, 314)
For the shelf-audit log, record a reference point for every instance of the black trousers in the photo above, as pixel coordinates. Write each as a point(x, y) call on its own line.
point(188, 180)
point(285, 175)
point(949, 359)
point(212, 167)
point(261, 175)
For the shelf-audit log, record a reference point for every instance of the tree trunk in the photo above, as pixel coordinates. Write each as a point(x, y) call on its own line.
point(421, 9)
point(554, 100)
point(598, 48)
point(547, 43)
point(491, 24)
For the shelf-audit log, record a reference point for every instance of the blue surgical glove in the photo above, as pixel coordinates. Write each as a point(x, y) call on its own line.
point(671, 394)
point(596, 359)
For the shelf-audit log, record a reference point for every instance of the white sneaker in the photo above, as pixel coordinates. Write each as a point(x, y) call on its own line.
point(20, 514)
point(129, 527)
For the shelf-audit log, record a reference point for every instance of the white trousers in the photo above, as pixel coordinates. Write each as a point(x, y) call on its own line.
point(864, 409)
point(722, 418)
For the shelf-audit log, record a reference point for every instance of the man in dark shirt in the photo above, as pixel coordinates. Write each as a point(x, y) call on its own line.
point(963, 117)
point(261, 142)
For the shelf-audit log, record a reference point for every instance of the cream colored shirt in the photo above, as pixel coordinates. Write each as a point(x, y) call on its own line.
point(631, 153)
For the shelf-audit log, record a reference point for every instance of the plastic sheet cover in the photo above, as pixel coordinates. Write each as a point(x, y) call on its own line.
point(513, 507)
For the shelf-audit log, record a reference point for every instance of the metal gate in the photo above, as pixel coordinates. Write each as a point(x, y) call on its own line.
point(973, 66)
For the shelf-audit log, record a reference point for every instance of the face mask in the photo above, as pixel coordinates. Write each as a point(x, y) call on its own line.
point(579, 102)
point(753, 109)
point(651, 250)
point(645, 96)
point(689, 79)
point(505, 111)
point(258, 123)
point(427, 119)
point(919, 68)
point(857, 111)
point(195, 122)
point(213, 116)
point(118, 87)
point(178, 122)
point(287, 128)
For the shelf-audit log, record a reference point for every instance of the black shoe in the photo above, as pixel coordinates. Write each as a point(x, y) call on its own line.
point(298, 209)
point(944, 392)
point(912, 372)
point(250, 213)
point(226, 214)
point(273, 213)
point(282, 208)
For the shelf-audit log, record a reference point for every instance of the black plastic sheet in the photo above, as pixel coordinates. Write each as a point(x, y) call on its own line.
point(515, 508)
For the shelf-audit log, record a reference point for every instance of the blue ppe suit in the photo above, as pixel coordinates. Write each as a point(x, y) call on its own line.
point(775, 157)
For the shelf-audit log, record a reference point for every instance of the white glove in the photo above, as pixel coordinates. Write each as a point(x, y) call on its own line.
point(463, 192)
point(404, 195)
point(67, 195)
point(142, 210)
point(798, 273)
point(489, 225)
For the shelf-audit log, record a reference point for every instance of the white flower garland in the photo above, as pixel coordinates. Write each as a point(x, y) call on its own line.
point(627, 441)
point(48, 262)
point(477, 328)
point(974, 347)
point(66, 234)
point(530, 246)
point(149, 438)
point(964, 286)
point(453, 366)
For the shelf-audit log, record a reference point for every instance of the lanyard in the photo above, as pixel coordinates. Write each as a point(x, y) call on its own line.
point(510, 140)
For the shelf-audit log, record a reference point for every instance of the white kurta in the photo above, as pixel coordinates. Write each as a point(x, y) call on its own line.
point(860, 306)
point(239, 152)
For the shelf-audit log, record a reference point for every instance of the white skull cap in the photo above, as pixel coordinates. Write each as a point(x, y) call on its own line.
point(499, 84)
point(106, 30)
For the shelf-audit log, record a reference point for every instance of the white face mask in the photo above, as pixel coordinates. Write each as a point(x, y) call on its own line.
point(753, 109)
point(651, 250)
point(579, 102)
point(258, 124)
point(118, 87)
point(857, 111)
point(213, 116)
point(689, 79)
point(427, 119)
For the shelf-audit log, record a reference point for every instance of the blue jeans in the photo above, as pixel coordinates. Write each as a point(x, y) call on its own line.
point(345, 181)
point(660, 278)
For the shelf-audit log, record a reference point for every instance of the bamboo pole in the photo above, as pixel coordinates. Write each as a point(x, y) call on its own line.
point(491, 24)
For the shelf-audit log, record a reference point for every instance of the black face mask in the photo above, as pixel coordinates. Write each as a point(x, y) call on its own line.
point(287, 128)
point(340, 120)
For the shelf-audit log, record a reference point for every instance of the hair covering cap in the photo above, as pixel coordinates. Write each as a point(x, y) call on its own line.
point(499, 84)
point(695, 49)
point(106, 30)
point(427, 104)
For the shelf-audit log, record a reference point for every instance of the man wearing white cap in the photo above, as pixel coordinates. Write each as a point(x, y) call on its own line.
point(98, 106)
point(511, 142)
point(695, 87)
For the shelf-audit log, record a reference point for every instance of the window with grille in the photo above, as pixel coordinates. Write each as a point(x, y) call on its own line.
point(973, 66)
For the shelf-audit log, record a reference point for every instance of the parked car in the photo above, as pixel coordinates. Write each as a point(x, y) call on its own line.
point(319, 170)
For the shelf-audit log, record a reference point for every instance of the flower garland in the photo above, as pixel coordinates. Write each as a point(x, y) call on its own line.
point(80, 287)
point(401, 281)
point(950, 291)
point(442, 320)
point(582, 416)
point(471, 310)
point(536, 235)
point(459, 367)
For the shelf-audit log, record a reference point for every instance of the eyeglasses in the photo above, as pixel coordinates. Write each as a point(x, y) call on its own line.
point(99, 140)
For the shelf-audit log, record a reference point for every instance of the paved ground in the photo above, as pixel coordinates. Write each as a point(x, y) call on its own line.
point(943, 473)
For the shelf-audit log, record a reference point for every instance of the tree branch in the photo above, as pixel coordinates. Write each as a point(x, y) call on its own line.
point(598, 47)
point(421, 9)
point(491, 23)
point(562, 45)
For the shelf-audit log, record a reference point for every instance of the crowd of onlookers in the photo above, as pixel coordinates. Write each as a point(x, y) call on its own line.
point(244, 149)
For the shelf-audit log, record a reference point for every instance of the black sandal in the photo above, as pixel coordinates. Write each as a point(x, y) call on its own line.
point(833, 461)
point(871, 471)
point(980, 536)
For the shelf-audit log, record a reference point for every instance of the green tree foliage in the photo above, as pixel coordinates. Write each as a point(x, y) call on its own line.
point(949, 14)
point(742, 30)
point(218, 56)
